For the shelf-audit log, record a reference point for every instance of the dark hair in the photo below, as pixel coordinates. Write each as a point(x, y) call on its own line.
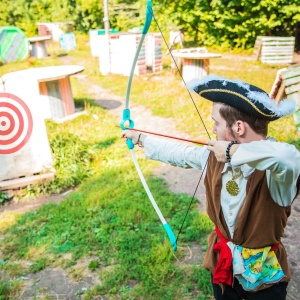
point(231, 114)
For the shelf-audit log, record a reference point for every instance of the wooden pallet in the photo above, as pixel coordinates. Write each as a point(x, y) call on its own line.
point(25, 181)
point(274, 50)
point(291, 83)
point(291, 79)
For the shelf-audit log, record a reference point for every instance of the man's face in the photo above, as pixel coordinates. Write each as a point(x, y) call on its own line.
point(222, 132)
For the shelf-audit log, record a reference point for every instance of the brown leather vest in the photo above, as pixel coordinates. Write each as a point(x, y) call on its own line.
point(260, 222)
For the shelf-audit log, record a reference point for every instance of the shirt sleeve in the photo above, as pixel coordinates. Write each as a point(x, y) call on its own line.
point(176, 154)
point(281, 161)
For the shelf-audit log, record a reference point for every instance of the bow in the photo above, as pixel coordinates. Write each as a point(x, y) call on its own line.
point(198, 112)
point(128, 123)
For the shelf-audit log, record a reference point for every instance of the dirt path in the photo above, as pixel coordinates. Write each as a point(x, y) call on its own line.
point(56, 281)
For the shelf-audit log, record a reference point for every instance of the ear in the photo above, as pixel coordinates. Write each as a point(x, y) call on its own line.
point(240, 128)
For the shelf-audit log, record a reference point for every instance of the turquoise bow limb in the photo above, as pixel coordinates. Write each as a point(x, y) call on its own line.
point(128, 123)
point(149, 14)
point(166, 226)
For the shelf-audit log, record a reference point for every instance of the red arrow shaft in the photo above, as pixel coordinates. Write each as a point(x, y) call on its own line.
point(169, 136)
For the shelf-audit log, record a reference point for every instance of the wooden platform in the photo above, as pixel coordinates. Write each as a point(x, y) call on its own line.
point(193, 62)
point(50, 86)
point(38, 46)
point(274, 50)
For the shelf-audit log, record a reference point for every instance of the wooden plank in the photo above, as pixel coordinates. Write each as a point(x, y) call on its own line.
point(278, 50)
point(24, 181)
point(276, 57)
point(258, 43)
point(66, 96)
point(278, 44)
point(296, 98)
point(292, 89)
point(280, 94)
point(291, 72)
point(39, 38)
point(277, 39)
point(257, 49)
point(275, 61)
point(266, 48)
point(45, 73)
point(291, 81)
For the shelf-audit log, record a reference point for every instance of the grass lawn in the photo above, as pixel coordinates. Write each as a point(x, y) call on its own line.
point(108, 217)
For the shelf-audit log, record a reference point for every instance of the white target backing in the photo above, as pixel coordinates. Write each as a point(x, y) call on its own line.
point(16, 123)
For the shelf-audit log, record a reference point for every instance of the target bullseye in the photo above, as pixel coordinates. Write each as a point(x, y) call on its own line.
point(7, 123)
point(16, 123)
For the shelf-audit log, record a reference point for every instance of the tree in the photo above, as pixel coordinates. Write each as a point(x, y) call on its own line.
point(205, 22)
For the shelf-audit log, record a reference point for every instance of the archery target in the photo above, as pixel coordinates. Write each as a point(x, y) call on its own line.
point(16, 123)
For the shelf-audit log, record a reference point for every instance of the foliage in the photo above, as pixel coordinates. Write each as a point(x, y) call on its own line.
point(87, 14)
point(233, 23)
point(224, 23)
point(93, 265)
point(4, 197)
point(73, 157)
point(26, 13)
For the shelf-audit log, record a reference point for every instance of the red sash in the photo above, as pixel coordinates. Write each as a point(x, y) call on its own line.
point(223, 272)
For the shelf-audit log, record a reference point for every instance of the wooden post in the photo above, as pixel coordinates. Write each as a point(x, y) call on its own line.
point(107, 29)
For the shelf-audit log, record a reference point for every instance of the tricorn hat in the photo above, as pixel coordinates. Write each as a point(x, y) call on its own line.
point(241, 95)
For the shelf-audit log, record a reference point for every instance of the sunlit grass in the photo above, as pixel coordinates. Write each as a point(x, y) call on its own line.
point(7, 219)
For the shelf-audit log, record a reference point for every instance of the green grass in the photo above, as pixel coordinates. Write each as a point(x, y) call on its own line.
point(10, 289)
point(116, 223)
point(108, 220)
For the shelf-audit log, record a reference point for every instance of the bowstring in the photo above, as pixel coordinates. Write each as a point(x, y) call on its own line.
point(189, 92)
point(198, 112)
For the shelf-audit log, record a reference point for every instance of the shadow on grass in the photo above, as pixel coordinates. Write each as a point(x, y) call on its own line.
point(105, 144)
point(81, 102)
point(106, 104)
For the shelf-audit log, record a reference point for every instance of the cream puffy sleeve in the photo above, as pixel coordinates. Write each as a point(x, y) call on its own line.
point(176, 154)
point(281, 162)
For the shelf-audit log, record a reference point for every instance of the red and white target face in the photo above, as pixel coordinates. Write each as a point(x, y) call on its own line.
point(15, 123)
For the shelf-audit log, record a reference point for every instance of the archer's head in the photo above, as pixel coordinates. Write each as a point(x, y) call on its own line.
point(238, 102)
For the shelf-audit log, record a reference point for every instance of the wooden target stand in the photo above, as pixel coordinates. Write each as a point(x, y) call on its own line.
point(25, 155)
point(193, 62)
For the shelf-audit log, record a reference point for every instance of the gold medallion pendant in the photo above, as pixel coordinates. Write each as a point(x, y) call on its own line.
point(232, 187)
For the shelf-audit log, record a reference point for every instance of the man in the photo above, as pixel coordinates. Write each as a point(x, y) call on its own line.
point(251, 181)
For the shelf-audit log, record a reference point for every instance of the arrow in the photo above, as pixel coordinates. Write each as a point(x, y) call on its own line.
point(168, 136)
